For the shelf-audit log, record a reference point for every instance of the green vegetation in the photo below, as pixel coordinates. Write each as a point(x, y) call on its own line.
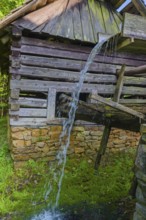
point(3, 93)
point(23, 191)
point(7, 6)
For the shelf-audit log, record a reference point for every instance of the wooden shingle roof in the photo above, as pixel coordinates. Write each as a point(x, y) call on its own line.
point(74, 19)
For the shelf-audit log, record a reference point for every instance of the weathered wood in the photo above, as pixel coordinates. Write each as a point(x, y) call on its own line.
point(15, 62)
point(64, 11)
point(18, 13)
point(15, 93)
point(140, 7)
point(103, 143)
point(99, 114)
point(133, 101)
point(63, 74)
point(134, 26)
point(67, 64)
point(73, 76)
point(77, 25)
point(32, 122)
point(125, 43)
point(40, 47)
point(29, 112)
point(14, 106)
point(38, 85)
point(51, 104)
point(100, 107)
point(119, 85)
point(118, 106)
point(107, 128)
point(88, 34)
point(136, 70)
point(17, 32)
point(29, 102)
point(66, 98)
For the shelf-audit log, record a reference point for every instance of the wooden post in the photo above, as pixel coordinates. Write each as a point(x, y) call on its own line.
point(119, 85)
point(103, 143)
point(107, 129)
point(51, 104)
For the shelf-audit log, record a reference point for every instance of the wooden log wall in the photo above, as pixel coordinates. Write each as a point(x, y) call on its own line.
point(41, 69)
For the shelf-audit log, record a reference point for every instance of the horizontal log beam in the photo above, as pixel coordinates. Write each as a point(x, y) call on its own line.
point(42, 86)
point(136, 70)
point(73, 76)
point(118, 119)
point(118, 106)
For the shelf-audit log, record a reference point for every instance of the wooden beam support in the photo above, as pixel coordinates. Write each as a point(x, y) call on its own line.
point(125, 43)
point(119, 85)
point(103, 143)
point(135, 70)
point(107, 128)
point(118, 106)
point(51, 105)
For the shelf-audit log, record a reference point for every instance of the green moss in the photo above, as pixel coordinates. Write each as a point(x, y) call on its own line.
point(24, 191)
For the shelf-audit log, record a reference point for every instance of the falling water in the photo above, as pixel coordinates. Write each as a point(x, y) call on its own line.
point(66, 133)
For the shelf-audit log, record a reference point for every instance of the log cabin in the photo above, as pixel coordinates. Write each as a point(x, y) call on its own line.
point(44, 46)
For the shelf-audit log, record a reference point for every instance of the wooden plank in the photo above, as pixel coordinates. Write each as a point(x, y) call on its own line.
point(74, 76)
point(83, 49)
point(15, 62)
point(38, 85)
point(56, 52)
point(109, 22)
point(67, 64)
point(77, 23)
point(29, 102)
point(134, 26)
point(15, 93)
point(29, 112)
point(14, 106)
point(136, 70)
point(86, 22)
point(118, 106)
point(119, 85)
point(51, 104)
point(96, 18)
point(103, 143)
point(64, 30)
point(32, 122)
point(42, 86)
point(62, 74)
point(133, 101)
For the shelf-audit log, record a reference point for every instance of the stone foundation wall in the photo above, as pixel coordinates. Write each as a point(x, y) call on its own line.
point(37, 143)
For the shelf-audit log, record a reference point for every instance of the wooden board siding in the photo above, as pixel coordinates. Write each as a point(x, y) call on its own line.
point(134, 26)
point(80, 20)
point(45, 66)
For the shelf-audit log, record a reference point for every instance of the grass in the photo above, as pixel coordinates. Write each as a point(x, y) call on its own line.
point(27, 187)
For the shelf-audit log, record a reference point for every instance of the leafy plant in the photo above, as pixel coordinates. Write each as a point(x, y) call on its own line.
point(7, 6)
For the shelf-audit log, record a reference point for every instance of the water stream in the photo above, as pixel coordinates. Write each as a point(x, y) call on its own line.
point(66, 133)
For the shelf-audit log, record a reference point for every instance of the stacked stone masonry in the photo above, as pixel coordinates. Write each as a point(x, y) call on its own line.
point(140, 172)
point(37, 143)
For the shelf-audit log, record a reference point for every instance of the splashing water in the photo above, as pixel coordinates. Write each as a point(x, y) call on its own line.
point(66, 133)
